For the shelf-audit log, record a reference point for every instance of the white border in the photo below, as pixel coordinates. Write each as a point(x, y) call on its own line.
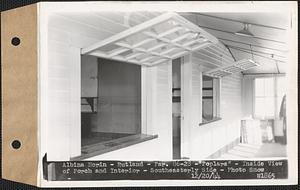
point(208, 6)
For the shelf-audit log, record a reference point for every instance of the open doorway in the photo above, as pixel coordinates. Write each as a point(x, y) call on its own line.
point(176, 107)
point(110, 104)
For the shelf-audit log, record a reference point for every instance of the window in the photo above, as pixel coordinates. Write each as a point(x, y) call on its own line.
point(264, 97)
point(269, 92)
point(210, 99)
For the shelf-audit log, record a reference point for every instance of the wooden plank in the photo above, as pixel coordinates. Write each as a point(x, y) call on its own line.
point(190, 42)
point(158, 61)
point(195, 28)
point(128, 32)
point(248, 67)
point(201, 46)
point(157, 46)
point(222, 60)
point(210, 57)
point(133, 55)
point(117, 51)
point(182, 37)
point(147, 58)
point(118, 58)
point(168, 51)
point(103, 55)
point(147, 40)
point(175, 29)
point(233, 69)
point(240, 65)
point(179, 54)
point(151, 34)
point(108, 146)
point(180, 23)
point(122, 44)
point(220, 54)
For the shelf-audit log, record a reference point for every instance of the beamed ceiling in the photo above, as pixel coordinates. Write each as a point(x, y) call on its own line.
point(268, 47)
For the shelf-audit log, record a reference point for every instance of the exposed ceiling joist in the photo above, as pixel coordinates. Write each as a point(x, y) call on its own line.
point(271, 54)
point(249, 52)
point(233, 20)
point(154, 41)
point(256, 37)
point(254, 45)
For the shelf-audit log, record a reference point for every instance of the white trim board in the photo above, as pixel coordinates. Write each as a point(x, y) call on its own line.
point(237, 66)
point(155, 41)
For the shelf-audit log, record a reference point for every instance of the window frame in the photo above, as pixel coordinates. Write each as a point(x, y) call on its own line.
point(216, 99)
point(255, 116)
point(275, 114)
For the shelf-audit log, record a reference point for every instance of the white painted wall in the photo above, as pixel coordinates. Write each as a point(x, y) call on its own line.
point(63, 102)
point(206, 139)
point(61, 91)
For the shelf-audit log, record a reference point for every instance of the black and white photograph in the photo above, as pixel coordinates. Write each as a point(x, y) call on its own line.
point(137, 84)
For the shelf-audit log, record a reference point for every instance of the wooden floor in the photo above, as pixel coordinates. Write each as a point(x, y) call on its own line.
point(266, 150)
point(102, 145)
point(98, 137)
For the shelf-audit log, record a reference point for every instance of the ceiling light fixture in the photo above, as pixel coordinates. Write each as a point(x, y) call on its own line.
point(245, 31)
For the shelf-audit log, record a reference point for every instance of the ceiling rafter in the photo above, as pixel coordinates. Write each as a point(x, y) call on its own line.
point(255, 45)
point(233, 20)
point(229, 32)
point(271, 54)
point(144, 38)
point(257, 55)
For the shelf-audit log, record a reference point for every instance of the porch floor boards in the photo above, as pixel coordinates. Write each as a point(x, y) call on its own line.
point(242, 151)
point(96, 149)
point(97, 137)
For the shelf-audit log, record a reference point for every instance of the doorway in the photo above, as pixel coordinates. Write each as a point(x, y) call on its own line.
point(176, 107)
point(110, 102)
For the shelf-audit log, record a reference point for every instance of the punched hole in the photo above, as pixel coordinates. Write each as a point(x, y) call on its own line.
point(15, 41)
point(16, 144)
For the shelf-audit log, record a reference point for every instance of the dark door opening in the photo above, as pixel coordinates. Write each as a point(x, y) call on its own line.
point(176, 107)
point(110, 101)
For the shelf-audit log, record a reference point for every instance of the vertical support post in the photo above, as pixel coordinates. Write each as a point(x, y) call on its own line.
point(145, 96)
point(148, 100)
point(186, 97)
point(75, 131)
point(200, 96)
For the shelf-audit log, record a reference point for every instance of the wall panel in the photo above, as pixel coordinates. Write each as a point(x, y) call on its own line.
point(209, 138)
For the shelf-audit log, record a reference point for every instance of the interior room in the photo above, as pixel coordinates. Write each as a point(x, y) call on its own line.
point(110, 102)
point(164, 86)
